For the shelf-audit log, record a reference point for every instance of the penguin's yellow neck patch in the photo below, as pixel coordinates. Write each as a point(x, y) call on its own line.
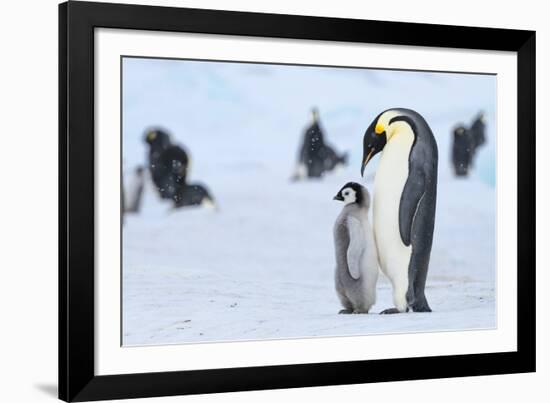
point(383, 124)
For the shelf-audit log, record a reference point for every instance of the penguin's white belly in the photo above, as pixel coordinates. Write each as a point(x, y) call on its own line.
point(391, 176)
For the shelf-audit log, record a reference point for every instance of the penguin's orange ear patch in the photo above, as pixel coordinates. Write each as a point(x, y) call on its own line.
point(152, 135)
point(379, 129)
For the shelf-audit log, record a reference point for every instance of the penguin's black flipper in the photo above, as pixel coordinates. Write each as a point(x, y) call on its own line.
point(408, 206)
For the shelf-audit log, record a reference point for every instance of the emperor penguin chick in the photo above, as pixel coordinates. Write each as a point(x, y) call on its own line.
point(356, 257)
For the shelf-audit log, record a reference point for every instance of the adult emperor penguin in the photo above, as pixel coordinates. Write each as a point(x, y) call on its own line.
point(477, 131)
point(462, 151)
point(405, 190)
point(168, 163)
point(356, 261)
point(316, 156)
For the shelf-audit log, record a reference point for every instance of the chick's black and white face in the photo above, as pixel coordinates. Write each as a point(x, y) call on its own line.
point(353, 193)
point(349, 196)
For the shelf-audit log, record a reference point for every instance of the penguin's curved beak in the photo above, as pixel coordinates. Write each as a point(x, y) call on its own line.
point(366, 159)
point(374, 141)
point(338, 197)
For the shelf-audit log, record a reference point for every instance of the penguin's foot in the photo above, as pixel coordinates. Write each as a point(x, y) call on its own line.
point(391, 311)
point(421, 308)
point(346, 311)
point(421, 305)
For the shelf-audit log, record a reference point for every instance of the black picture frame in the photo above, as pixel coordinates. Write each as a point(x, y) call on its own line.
point(77, 379)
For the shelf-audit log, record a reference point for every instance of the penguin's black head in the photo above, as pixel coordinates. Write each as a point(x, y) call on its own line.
point(352, 192)
point(374, 141)
point(315, 114)
point(157, 138)
point(460, 130)
point(381, 130)
point(481, 116)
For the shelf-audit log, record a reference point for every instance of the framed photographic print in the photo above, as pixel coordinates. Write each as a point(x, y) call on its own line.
point(257, 201)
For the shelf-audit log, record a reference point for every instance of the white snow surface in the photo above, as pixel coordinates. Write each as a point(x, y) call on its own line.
point(261, 266)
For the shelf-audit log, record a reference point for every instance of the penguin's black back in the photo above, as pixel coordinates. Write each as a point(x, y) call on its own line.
point(331, 158)
point(168, 166)
point(309, 153)
point(193, 194)
point(316, 155)
point(462, 152)
point(314, 138)
point(478, 132)
point(418, 203)
point(423, 162)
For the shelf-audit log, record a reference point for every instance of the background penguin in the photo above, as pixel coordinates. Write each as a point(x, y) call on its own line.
point(193, 194)
point(331, 160)
point(356, 260)
point(404, 202)
point(132, 203)
point(462, 152)
point(477, 132)
point(316, 157)
point(168, 163)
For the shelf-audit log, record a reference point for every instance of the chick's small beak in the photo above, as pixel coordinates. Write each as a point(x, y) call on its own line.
point(338, 197)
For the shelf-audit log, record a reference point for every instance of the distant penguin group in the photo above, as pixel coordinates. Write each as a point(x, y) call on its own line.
point(316, 157)
point(168, 166)
point(404, 204)
point(466, 142)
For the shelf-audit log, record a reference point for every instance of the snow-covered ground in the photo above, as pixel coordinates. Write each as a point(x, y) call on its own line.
point(261, 266)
